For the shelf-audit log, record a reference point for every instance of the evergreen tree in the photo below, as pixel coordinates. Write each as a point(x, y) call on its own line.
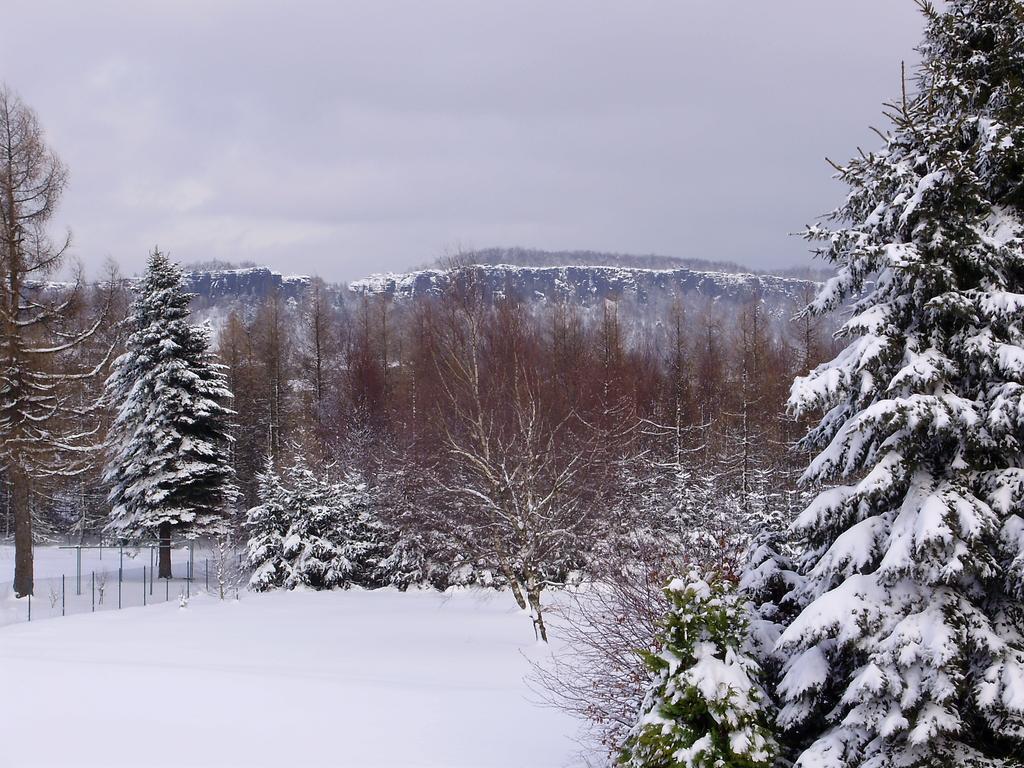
point(267, 525)
point(167, 464)
point(406, 562)
point(363, 538)
point(771, 585)
point(705, 707)
point(315, 533)
point(311, 546)
point(910, 650)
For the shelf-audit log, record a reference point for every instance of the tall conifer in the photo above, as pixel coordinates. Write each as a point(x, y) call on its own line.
point(168, 460)
point(910, 648)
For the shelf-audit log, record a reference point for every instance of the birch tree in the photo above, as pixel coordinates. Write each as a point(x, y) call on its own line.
point(524, 482)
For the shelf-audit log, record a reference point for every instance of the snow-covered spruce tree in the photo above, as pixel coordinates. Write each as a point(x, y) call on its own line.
point(311, 546)
point(406, 562)
point(266, 525)
point(363, 542)
point(771, 585)
point(167, 462)
point(311, 532)
point(705, 707)
point(910, 650)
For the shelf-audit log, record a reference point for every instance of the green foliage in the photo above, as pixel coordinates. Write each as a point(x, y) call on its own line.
point(705, 708)
point(309, 531)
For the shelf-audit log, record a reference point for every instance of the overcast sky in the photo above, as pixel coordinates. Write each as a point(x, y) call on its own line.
point(341, 138)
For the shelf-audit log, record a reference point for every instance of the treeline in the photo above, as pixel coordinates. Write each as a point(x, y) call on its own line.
point(383, 386)
point(499, 442)
point(508, 444)
point(425, 398)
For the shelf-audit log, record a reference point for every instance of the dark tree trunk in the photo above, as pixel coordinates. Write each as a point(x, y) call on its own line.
point(23, 578)
point(165, 551)
point(533, 588)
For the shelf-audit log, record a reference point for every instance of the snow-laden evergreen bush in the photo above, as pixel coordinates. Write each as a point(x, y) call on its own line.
point(312, 546)
point(910, 648)
point(406, 563)
point(266, 525)
point(311, 532)
point(771, 584)
point(168, 460)
point(363, 541)
point(705, 708)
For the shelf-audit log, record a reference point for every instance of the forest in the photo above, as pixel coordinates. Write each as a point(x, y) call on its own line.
point(427, 402)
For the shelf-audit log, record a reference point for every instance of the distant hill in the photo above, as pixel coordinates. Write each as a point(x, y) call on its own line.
point(588, 286)
point(531, 257)
point(211, 286)
point(646, 287)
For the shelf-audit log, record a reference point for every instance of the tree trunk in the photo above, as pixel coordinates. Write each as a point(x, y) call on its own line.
point(516, 591)
point(165, 551)
point(513, 582)
point(533, 588)
point(23, 577)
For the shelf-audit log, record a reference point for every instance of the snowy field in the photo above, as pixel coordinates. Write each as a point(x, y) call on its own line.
point(346, 679)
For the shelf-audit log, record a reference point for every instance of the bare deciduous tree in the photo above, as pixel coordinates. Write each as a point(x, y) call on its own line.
point(524, 480)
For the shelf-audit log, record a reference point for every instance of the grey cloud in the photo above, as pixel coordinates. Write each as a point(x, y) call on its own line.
point(343, 137)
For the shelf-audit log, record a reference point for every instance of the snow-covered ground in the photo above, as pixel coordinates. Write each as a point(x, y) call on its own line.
point(345, 679)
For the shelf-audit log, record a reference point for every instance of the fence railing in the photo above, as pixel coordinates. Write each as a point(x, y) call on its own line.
point(95, 586)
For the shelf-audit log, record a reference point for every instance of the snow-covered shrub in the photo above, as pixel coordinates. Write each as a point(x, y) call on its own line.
point(406, 563)
point(596, 673)
point(363, 540)
point(705, 708)
point(312, 546)
point(674, 518)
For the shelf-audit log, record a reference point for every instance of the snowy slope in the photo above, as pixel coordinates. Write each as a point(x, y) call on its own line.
point(343, 679)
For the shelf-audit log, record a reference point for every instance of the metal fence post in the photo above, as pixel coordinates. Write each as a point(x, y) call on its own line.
point(167, 590)
point(207, 563)
point(62, 594)
point(94, 591)
point(120, 573)
point(30, 606)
